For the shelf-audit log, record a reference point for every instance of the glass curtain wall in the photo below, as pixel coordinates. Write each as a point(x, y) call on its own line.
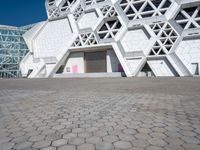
point(12, 50)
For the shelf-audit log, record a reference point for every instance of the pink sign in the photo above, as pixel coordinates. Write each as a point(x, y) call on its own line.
point(74, 69)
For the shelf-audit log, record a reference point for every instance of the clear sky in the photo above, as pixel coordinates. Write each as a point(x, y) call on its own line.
point(22, 12)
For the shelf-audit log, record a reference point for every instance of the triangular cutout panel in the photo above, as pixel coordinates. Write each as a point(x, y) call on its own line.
point(138, 5)
point(161, 52)
point(192, 26)
point(104, 28)
point(167, 4)
point(190, 11)
point(156, 3)
point(148, 7)
point(130, 11)
point(180, 16)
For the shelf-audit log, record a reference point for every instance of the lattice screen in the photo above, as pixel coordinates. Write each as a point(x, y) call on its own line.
point(108, 11)
point(109, 29)
point(86, 39)
point(189, 18)
point(137, 9)
point(166, 35)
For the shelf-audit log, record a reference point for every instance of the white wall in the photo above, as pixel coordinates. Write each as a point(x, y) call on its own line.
point(134, 64)
point(112, 62)
point(189, 52)
point(160, 68)
point(52, 38)
point(135, 40)
point(88, 20)
point(75, 60)
point(30, 34)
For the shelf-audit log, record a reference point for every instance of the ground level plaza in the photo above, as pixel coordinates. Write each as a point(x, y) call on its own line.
point(101, 114)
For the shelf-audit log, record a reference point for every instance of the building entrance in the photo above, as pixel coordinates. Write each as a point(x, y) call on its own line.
point(95, 62)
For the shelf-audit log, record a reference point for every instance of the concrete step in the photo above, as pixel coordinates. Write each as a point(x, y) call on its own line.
point(89, 75)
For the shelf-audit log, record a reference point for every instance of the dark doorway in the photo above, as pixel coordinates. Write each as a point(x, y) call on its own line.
point(95, 62)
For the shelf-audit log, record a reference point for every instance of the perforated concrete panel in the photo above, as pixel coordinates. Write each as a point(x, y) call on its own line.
point(161, 33)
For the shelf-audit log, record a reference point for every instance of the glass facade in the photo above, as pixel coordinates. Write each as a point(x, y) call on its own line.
point(12, 50)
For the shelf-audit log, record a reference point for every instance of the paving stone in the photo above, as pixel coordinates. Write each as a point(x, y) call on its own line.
point(148, 126)
point(110, 138)
point(41, 144)
point(120, 127)
point(67, 147)
point(173, 134)
point(126, 137)
point(36, 138)
point(23, 145)
point(92, 129)
point(53, 136)
point(154, 148)
point(86, 147)
point(136, 148)
point(76, 141)
point(49, 148)
point(78, 130)
point(122, 145)
point(104, 146)
point(94, 140)
point(140, 143)
point(162, 117)
point(4, 134)
point(130, 131)
point(188, 133)
point(174, 141)
point(59, 142)
point(158, 135)
point(6, 146)
point(191, 140)
point(5, 139)
point(31, 148)
point(157, 142)
point(48, 131)
point(69, 136)
point(157, 129)
point(144, 130)
point(33, 133)
point(20, 139)
point(115, 132)
point(142, 136)
point(171, 128)
point(186, 127)
point(174, 147)
point(85, 134)
point(191, 146)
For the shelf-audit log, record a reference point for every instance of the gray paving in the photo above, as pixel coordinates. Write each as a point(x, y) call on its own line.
point(100, 114)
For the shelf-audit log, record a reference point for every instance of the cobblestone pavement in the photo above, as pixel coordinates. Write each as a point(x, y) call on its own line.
point(101, 114)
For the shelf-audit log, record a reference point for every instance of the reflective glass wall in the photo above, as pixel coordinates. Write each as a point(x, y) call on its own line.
point(12, 50)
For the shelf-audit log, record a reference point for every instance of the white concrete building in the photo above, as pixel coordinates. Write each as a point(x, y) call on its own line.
point(89, 38)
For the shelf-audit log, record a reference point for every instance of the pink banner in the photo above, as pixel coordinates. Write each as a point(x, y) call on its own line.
point(74, 69)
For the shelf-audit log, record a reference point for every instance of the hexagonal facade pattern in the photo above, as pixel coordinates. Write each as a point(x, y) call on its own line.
point(115, 37)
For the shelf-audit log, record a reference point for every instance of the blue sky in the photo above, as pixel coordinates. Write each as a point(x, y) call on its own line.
point(22, 12)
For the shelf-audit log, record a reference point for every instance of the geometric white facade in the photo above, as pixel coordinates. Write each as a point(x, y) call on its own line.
point(139, 38)
point(188, 52)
